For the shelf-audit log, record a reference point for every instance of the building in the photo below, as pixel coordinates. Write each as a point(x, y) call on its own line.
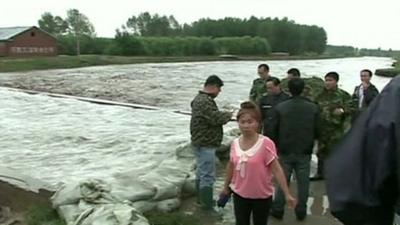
point(26, 41)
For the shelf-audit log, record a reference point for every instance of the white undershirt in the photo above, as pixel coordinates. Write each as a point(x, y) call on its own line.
point(245, 155)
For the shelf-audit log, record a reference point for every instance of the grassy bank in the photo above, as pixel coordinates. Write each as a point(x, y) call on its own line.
point(390, 72)
point(43, 215)
point(48, 216)
point(64, 62)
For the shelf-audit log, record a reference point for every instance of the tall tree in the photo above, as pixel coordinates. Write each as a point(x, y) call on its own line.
point(53, 24)
point(153, 25)
point(79, 25)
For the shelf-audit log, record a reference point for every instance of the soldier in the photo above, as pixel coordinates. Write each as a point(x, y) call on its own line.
point(268, 101)
point(291, 73)
point(206, 136)
point(312, 88)
point(335, 106)
point(258, 88)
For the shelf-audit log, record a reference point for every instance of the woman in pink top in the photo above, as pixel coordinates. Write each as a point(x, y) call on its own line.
point(253, 163)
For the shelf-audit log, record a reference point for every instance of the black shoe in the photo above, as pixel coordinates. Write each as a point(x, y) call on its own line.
point(277, 214)
point(301, 216)
point(316, 178)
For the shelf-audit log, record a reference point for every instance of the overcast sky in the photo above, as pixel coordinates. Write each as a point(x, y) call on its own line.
point(359, 23)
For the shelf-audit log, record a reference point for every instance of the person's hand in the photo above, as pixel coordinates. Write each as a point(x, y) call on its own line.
point(291, 201)
point(225, 191)
point(338, 111)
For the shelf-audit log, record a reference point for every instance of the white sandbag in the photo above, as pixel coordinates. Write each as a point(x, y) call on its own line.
point(189, 187)
point(144, 206)
point(167, 179)
point(111, 214)
point(133, 190)
point(168, 205)
point(66, 194)
point(69, 213)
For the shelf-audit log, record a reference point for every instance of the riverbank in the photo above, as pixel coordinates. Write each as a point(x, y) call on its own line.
point(8, 64)
point(390, 72)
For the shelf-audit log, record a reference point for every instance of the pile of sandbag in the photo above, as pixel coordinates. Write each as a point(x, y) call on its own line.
point(122, 199)
point(91, 202)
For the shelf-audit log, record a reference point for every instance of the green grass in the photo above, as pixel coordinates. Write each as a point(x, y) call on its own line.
point(175, 218)
point(47, 216)
point(8, 64)
point(43, 216)
point(390, 72)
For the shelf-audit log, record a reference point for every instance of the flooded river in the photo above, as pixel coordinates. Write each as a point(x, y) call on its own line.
point(62, 140)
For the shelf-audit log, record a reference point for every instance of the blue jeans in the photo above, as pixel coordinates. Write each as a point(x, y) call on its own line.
point(205, 165)
point(300, 164)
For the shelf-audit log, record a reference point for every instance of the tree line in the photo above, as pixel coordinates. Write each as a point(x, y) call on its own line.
point(147, 34)
point(346, 51)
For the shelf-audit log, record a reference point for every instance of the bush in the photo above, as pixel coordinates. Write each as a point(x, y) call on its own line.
point(43, 216)
point(243, 46)
point(129, 45)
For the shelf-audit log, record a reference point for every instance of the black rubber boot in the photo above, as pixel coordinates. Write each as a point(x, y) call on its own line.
point(208, 203)
point(320, 171)
point(197, 187)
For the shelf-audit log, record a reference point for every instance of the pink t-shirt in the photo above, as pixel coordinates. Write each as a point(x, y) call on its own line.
point(252, 174)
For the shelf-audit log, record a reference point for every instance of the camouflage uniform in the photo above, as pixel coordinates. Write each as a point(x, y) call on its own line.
point(313, 87)
point(257, 90)
point(332, 126)
point(206, 135)
point(206, 122)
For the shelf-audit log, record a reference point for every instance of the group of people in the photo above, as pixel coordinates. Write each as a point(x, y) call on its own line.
point(279, 126)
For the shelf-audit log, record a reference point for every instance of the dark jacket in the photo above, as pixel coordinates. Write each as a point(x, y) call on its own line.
point(206, 122)
point(369, 94)
point(296, 126)
point(267, 104)
point(363, 172)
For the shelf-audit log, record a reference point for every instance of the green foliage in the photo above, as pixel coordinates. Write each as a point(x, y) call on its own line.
point(126, 44)
point(179, 46)
point(52, 24)
point(88, 45)
point(340, 50)
point(78, 23)
point(284, 35)
point(153, 25)
point(43, 216)
point(379, 52)
point(243, 45)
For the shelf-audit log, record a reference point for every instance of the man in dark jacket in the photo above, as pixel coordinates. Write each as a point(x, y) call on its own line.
point(206, 136)
point(363, 93)
point(363, 172)
point(268, 101)
point(296, 129)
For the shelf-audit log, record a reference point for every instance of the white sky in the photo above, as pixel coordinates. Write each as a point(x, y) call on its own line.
point(359, 23)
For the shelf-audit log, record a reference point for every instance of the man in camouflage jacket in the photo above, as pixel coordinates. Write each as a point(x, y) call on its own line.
point(335, 105)
point(258, 88)
point(206, 136)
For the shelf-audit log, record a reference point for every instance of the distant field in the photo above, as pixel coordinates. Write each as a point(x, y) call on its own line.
point(63, 62)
